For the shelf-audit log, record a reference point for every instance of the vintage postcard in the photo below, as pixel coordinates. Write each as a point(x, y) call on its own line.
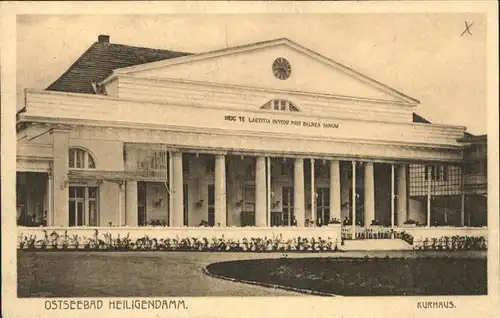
point(267, 159)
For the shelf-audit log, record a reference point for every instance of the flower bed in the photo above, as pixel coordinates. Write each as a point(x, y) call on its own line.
point(447, 243)
point(109, 242)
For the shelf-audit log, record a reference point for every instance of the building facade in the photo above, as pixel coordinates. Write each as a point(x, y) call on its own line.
point(266, 134)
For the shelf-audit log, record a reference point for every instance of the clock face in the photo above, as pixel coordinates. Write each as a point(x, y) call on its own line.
point(281, 68)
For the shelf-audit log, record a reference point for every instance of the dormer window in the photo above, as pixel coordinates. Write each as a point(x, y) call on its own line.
point(80, 159)
point(280, 105)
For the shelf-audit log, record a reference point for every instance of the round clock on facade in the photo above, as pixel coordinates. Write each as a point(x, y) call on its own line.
point(281, 68)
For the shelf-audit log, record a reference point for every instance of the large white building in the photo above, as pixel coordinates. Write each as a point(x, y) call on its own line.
point(264, 134)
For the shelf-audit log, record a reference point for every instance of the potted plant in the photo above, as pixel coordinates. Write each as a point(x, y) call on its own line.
point(410, 223)
point(334, 222)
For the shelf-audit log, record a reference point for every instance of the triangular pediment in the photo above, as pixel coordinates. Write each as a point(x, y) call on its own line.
point(252, 66)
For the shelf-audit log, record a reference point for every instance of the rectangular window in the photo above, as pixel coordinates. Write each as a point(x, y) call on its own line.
point(185, 164)
point(438, 173)
point(211, 205)
point(71, 158)
point(287, 168)
point(443, 172)
point(93, 213)
point(210, 165)
point(249, 199)
point(186, 205)
point(92, 206)
point(323, 205)
point(79, 159)
point(288, 213)
point(83, 206)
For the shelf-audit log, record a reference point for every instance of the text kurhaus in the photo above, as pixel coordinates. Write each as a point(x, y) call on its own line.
point(435, 304)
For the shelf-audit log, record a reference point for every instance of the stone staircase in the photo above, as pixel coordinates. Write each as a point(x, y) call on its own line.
point(376, 245)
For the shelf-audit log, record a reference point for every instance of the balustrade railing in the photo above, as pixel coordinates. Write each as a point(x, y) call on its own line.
point(372, 232)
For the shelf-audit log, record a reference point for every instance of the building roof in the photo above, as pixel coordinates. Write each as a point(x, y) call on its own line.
point(470, 138)
point(419, 119)
point(100, 59)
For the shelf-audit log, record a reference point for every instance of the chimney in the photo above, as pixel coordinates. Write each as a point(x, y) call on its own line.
point(103, 38)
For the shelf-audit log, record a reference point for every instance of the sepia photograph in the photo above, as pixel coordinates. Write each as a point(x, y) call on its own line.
point(161, 157)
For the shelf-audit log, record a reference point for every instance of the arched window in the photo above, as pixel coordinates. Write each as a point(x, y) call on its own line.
point(281, 105)
point(80, 159)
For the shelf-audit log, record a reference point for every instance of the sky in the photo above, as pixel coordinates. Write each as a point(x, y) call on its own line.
point(422, 55)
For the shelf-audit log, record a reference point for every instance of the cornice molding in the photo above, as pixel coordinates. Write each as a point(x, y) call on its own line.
point(151, 129)
point(190, 105)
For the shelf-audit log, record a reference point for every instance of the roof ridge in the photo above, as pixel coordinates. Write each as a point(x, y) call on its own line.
point(100, 58)
point(142, 47)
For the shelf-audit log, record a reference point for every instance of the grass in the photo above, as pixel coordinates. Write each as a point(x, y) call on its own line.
point(144, 274)
point(364, 276)
point(69, 274)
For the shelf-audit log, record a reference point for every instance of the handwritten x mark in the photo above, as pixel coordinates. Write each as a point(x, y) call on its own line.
point(467, 28)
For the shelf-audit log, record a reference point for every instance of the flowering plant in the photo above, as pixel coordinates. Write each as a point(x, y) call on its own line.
point(108, 242)
point(452, 243)
point(334, 221)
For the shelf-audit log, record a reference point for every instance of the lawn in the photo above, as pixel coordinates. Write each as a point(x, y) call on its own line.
point(146, 274)
point(363, 276)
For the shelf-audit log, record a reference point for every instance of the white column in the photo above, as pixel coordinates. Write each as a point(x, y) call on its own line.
point(354, 200)
point(392, 195)
point(268, 214)
point(313, 194)
point(131, 203)
point(50, 211)
point(260, 192)
point(170, 189)
point(334, 190)
point(298, 187)
point(462, 197)
point(462, 210)
point(402, 210)
point(220, 190)
point(369, 197)
point(120, 203)
point(178, 190)
point(429, 175)
point(60, 170)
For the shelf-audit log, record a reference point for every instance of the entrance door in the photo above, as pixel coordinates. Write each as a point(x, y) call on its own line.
point(211, 205)
point(248, 210)
point(287, 199)
point(323, 205)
